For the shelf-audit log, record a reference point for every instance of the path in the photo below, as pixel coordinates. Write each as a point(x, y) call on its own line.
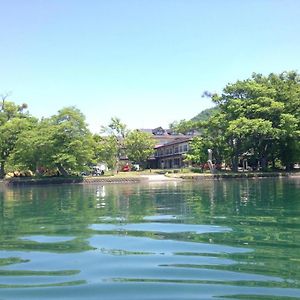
point(159, 178)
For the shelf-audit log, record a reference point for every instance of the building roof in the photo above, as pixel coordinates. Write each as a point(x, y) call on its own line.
point(159, 131)
point(177, 140)
point(165, 136)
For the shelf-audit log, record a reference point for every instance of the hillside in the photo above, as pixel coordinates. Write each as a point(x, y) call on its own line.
point(205, 114)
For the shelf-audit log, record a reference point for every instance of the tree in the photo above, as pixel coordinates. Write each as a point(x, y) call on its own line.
point(197, 152)
point(187, 127)
point(115, 128)
point(72, 141)
point(13, 121)
point(139, 146)
point(62, 141)
point(210, 135)
point(33, 148)
point(259, 117)
point(263, 112)
point(106, 150)
point(117, 132)
point(243, 132)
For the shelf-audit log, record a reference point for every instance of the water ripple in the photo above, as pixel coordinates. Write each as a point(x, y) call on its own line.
point(160, 227)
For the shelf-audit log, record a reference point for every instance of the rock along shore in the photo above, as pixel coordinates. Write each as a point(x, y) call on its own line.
point(23, 181)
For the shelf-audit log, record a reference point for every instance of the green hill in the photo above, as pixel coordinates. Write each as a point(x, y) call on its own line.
point(205, 114)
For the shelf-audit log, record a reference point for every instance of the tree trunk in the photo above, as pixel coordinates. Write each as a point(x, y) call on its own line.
point(273, 164)
point(235, 163)
point(263, 163)
point(62, 170)
point(2, 164)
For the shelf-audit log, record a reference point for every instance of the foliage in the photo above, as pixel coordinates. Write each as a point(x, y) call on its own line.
point(205, 114)
point(119, 142)
point(13, 121)
point(106, 150)
point(257, 118)
point(186, 127)
point(115, 128)
point(139, 146)
point(110, 147)
point(72, 141)
point(62, 141)
point(197, 151)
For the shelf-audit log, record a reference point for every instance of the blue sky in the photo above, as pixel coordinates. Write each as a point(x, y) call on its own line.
point(144, 61)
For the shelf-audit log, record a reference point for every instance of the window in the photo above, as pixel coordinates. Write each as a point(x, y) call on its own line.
point(176, 163)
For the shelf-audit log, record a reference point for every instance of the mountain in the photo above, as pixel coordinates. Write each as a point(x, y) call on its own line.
point(205, 114)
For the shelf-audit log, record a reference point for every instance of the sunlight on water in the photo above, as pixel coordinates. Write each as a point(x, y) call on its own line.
point(211, 240)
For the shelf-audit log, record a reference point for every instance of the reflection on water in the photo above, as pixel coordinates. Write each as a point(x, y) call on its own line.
point(209, 240)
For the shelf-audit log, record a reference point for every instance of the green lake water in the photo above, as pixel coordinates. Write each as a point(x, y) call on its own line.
point(229, 239)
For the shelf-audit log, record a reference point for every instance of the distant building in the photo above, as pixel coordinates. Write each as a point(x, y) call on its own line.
point(171, 155)
point(169, 148)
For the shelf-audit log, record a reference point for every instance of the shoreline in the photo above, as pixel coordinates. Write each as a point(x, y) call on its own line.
point(26, 181)
point(244, 175)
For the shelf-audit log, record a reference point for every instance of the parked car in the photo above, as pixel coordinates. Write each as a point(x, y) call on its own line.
point(126, 168)
point(97, 171)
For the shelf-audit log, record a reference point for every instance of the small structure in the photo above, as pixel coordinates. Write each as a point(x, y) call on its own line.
point(209, 161)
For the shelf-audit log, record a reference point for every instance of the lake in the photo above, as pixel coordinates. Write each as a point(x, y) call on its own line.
point(228, 239)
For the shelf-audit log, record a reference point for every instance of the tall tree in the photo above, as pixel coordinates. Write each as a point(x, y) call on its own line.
point(13, 121)
point(139, 146)
point(106, 150)
point(115, 128)
point(117, 132)
point(259, 117)
point(72, 141)
point(197, 153)
point(262, 115)
point(62, 141)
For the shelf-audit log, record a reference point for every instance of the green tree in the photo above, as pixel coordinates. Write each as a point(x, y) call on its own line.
point(32, 150)
point(13, 121)
point(62, 141)
point(262, 117)
point(106, 150)
point(139, 146)
point(117, 132)
point(73, 144)
point(185, 126)
point(210, 135)
point(259, 117)
point(197, 153)
point(250, 135)
point(115, 128)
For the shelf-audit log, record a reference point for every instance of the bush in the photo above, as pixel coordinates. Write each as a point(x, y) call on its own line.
point(196, 170)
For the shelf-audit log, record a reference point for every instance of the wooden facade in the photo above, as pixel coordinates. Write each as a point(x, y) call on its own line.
point(171, 155)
